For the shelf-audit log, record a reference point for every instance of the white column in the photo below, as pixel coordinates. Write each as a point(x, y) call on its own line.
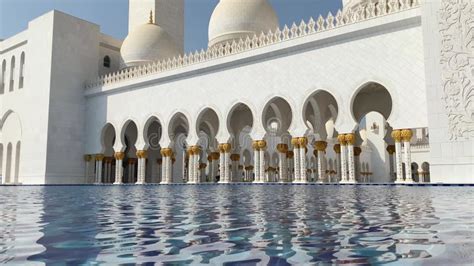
point(289, 162)
point(163, 169)
point(227, 166)
point(106, 170)
point(141, 167)
point(158, 171)
point(342, 141)
point(118, 167)
point(350, 140)
point(99, 160)
point(222, 167)
point(337, 166)
point(407, 135)
point(256, 158)
point(296, 161)
point(303, 172)
point(190, 165)
point(283, 172)
point(169, 169)
point(397, 136)
point(262, 165)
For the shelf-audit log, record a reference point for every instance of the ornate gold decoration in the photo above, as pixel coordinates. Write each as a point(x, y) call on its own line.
point(99, 157)
point(282, 148)
point(255, 145)
point(215, 155)
point(337, 148)
point(397, 135)
point(166, 152)
point(290, 154)
point(262, 144)
point(357, 151)
point(295, 142)
point(350, 138)
point(342, 139)
point(235, 157)
point(224, 147)
point(406, 134)
point(391, 149)
point(321, 145)
point(119, 155)
point(303, 141)
point(196, 150)
point(141, 154)
point(202, 166)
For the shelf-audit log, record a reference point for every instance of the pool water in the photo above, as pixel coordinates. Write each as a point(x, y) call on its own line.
point(237, 225)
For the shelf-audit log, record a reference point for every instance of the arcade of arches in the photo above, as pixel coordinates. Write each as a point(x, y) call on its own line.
point(372, 153)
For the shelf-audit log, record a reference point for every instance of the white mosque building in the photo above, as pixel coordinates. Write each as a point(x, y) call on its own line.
point(380, 92)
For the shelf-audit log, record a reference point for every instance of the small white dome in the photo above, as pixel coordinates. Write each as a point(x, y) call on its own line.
point(147, 43)
point(235, 19)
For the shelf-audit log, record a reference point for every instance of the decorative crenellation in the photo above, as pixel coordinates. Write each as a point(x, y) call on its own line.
point(342, 18)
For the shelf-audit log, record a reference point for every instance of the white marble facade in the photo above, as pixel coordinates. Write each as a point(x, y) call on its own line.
point(379, 92)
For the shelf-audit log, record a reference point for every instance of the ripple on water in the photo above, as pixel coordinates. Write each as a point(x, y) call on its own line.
point(237, 225)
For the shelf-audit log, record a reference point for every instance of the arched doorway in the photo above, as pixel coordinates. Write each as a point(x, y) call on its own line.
point(178, 132)
point(239, 125)
point(320, 112)
point(207, 127)
point(108, 141)
point(371, 109)
point(152, 134)
point(277, 117)
point(129, 135)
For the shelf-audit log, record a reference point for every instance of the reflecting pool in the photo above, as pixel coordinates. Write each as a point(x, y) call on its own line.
point(237, 225)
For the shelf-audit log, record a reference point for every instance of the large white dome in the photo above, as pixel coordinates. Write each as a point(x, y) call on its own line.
point(235, 19)
point(147, 43)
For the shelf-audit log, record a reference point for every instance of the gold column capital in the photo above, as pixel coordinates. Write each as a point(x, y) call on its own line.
point(303, 141)
point(357, 151)
point(141, 154)
point(391, 149)
point(99, 157)
point(119, 155)
point(215, 156)
point(295, 142)
point(166, 152)
point(350, 138)
point(262, 144)
point(321, 145)
point(235, 157)
point(406, 135)
point(337, 148)
point(282, 148)
point(397, 135)
point(290, 154)
point(342, 139)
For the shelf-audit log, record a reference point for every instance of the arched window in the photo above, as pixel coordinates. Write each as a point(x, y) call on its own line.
point(107, 61)
point(12, 73)
point(2, 78)
point(22, 70)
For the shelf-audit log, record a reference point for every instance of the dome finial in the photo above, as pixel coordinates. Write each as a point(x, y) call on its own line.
point(150, 19)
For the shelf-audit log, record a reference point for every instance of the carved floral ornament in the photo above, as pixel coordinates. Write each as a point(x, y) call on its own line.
point(456, 26)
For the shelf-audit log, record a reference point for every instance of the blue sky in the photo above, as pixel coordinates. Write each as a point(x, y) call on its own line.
point(112, 15)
